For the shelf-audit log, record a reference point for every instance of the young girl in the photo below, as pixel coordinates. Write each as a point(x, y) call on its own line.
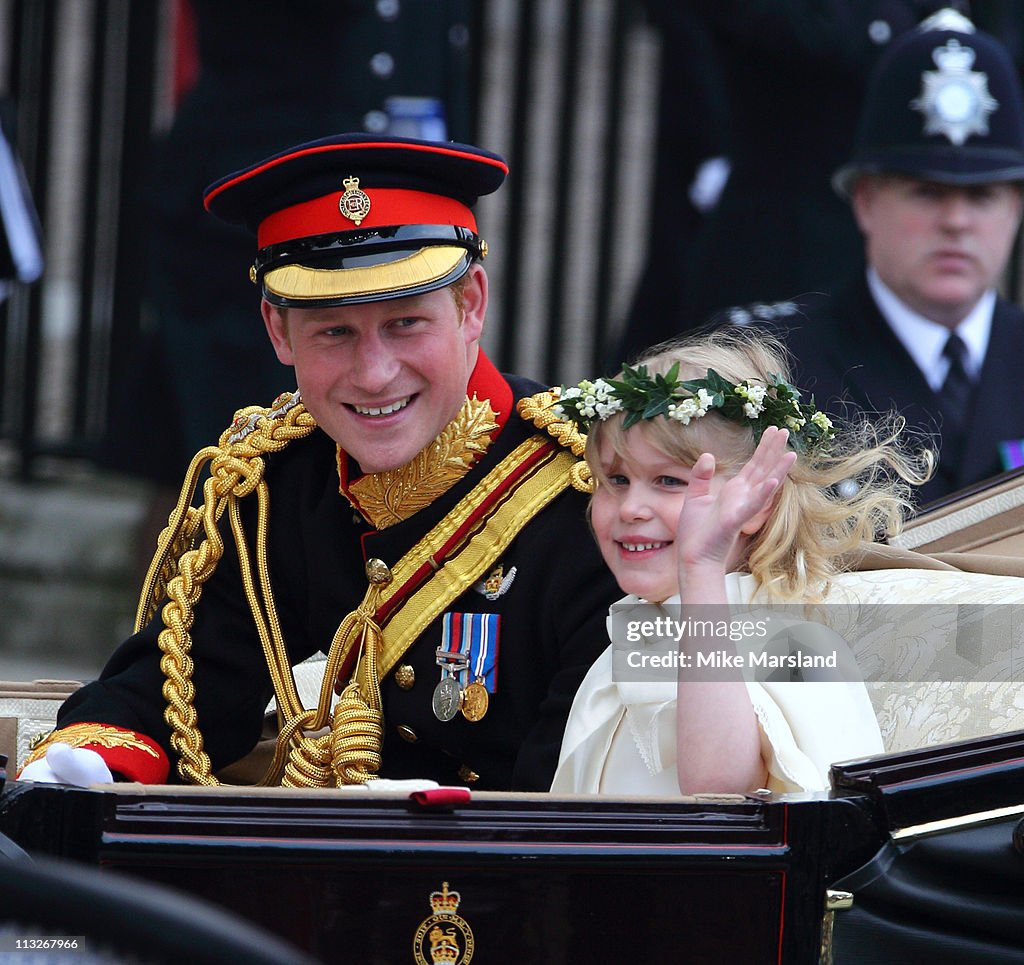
point(717, 484)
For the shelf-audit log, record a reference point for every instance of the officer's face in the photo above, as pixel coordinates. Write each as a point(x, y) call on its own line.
point(383, 379)
point(938, 247)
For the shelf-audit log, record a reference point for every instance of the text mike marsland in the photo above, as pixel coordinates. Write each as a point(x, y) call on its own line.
point(726, 659)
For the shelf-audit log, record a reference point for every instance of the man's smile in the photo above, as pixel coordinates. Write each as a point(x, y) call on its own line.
point(382, 410)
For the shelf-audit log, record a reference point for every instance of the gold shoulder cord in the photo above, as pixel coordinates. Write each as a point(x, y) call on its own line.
point(539, 409)
point(178, 571)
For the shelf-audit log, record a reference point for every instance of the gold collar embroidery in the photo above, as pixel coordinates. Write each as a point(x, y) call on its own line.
point(386, 498)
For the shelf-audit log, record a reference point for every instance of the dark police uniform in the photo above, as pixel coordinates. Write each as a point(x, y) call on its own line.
point(846, 354)
point(494, 567)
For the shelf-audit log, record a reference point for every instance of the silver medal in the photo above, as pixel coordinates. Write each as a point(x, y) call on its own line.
point(447, 698)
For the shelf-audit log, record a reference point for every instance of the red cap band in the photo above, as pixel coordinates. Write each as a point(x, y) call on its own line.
point(388, 206)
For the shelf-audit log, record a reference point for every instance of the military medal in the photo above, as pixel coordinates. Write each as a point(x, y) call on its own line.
point(475, 700)
point(447, 698)
point(469, 645)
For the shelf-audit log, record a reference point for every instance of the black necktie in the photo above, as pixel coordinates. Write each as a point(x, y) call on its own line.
point(956, 392)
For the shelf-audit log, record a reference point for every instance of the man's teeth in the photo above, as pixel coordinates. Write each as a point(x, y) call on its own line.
point(640, 547)
point(382, 410)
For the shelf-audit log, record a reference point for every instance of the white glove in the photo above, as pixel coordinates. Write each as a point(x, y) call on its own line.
point(65, 764)
point(390, 785)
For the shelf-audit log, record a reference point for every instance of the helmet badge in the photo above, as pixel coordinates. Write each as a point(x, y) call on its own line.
point(955, 100)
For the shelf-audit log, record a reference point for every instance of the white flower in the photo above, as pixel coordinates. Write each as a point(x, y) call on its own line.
point(705, 401)
point(754, 394)
point(822, 421)
point(795, 423)
point(685, 411)
point(571, 393)
point(606, 410)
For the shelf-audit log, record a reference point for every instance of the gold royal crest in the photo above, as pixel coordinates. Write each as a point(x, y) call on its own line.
point(444, 938)
point(354, 203)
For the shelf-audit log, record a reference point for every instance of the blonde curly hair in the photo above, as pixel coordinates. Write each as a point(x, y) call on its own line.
point(835, 498)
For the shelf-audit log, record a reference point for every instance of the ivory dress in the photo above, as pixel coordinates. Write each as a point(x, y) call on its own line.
point(621, 736)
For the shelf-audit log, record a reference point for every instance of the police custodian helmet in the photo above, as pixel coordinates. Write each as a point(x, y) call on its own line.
point(943, 104)
point(359, 217)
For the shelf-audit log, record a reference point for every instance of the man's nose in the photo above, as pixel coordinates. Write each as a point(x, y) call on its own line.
point(374, 365)
point(956, 210)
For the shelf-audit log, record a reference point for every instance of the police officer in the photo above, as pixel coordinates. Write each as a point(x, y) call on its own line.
point(410, 513)
point(935, 185)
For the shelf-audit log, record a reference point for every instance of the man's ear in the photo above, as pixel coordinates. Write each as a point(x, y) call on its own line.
point(862, 199)
point(277, 328)
point(474, 304)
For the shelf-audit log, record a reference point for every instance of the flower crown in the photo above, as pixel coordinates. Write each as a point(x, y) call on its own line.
point(638, 395)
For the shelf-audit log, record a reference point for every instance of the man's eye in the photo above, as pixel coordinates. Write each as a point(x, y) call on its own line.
point(982, 194)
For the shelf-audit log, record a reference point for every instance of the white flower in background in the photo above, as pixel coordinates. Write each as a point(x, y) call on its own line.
point(607, 409)
point(822, 421)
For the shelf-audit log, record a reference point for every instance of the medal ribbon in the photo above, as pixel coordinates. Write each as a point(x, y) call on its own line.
point(476, 636)
point(483, 650)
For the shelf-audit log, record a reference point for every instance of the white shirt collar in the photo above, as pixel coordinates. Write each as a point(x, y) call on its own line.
point(924, 339)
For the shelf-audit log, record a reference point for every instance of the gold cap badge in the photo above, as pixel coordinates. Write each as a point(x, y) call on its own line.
point(354, 203)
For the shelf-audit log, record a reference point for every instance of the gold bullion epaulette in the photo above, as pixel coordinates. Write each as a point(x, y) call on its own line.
point(264, 422)
point(541, 410)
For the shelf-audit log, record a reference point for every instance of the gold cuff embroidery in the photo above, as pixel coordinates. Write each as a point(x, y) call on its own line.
point(80, 735)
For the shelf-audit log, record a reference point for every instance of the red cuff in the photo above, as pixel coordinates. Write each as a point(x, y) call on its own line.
point(134, 756)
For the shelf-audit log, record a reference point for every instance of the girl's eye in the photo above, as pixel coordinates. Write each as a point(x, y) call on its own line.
point(617, 479)
point(670, 482)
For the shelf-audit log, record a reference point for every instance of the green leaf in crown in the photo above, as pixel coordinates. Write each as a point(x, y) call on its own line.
point(639, 396)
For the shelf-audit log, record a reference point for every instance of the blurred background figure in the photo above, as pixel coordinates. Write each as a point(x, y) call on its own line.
point(773, 87)
point(935, 181)
point(21, 250)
